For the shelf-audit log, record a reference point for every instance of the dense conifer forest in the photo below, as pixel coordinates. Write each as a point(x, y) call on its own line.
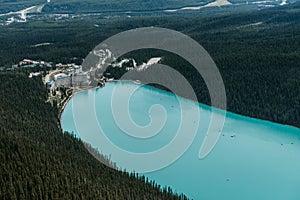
point(38, 161)
point(258, 54)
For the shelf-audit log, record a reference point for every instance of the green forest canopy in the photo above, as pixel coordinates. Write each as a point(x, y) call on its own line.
point(38, 161)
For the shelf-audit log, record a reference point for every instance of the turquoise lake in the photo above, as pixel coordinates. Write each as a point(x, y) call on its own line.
point(253, 159)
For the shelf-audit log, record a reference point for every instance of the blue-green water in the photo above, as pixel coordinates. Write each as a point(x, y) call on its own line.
point(253, 159)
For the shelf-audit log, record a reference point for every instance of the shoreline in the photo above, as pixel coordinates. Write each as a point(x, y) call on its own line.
point(78, 90)
point(66, 101)
point(140, 83)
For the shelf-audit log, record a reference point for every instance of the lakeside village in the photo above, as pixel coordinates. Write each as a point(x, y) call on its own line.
point(63, 80)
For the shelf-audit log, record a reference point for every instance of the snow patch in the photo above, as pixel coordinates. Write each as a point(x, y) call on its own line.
point(283, 3)
point(216, 3)
point(150, 62)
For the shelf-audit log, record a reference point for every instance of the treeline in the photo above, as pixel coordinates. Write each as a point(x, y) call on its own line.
point(79, 6)
point(38, 161)
point(258, 54)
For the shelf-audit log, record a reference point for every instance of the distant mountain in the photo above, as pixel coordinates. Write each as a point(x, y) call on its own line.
point(84, 6)
point(79, 6)
point(115, 5)
point(96, 5)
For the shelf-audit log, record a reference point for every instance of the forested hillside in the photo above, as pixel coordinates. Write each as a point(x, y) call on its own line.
point(38, 161)
point(104, 6)
point(113, 5)
point(258, 54)
point(78, 6)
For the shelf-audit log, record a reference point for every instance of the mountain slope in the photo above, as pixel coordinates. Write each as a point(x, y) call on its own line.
point(95, 5)
point(84, 6)
point(78, 6)
point(38, 161)
point(258, 53)
point(114, 5)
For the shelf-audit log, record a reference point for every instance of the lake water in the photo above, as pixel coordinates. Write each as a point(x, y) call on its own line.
point(253, 159)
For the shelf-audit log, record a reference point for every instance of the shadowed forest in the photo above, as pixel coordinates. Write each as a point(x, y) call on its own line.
point(258, 55)
point(38, 161)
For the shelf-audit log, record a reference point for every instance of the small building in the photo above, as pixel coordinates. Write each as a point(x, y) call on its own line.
point(70, 70)
point(34, 74)
point(50, 84)
point(80, 79)
point(60, 75)
point(63, 82)
point(26, 62)
point(59, 65)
